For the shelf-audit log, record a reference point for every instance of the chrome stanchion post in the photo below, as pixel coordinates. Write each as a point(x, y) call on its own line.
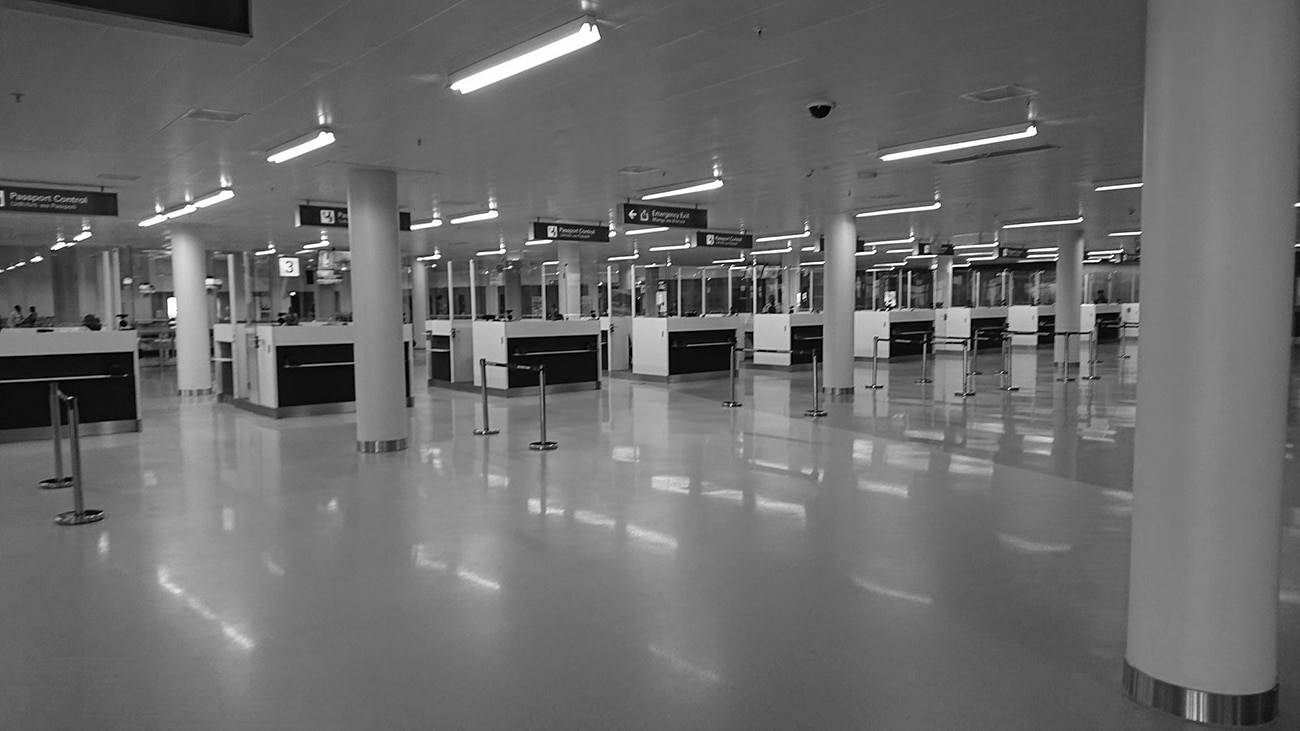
point(543, 444)
point(1008, 357)
point(966, 371)
point(732, 403)
point(487, 429)
point(875, 363)
point(975, 353)
point(1065, 361)
point(816, 411)
point(925, 360)
point(59, 480)
point(79, 515)
point(1092, 353)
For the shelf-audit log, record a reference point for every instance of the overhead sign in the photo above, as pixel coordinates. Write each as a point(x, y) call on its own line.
point(635, 214)
point(929, 247)
point(944, 250)
point(337, 217)
point(724, 240)
point(1013, 252)
point(289, 266)
point(222, 17)
point(57, 200)
point(570, 231)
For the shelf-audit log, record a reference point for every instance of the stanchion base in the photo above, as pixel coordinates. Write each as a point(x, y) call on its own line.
point(73, 517)
point(55, 483)
point(486, 432)
point(1066, 380)
point(1008, 388)
point(542, 446)
point(976, 373)
point(731, 404)
point(923, 380)
point(1001, 373)
point(964, 394)
point(814, 413)
point(873, 386)
point(1125, 357)
point(1092, 378)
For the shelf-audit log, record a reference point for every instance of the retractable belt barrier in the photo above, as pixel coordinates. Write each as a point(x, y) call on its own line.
point(1094, 340)
point(1006, 375)
point(815, 412)
point(1064, 376)
point(1123, 339)
point(542, 444)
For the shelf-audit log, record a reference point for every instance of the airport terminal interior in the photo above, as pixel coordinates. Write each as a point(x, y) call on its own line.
point(649, 364)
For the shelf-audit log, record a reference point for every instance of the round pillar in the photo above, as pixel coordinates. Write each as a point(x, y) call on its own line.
point(377, 311)
point(1220, 171)
point(193, 350)
point(419, 298)
point(840, 300)
point(1069, 295)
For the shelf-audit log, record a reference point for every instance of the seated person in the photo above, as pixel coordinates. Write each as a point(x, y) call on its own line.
point(92, 323)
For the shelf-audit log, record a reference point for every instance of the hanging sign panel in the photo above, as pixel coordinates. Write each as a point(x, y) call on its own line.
point(1013, 252)
point(570, 231)
point(641, 215)
point(56, 200)
point(337, 217)
point(228, 18)
point(289, 266)
point(724, 240)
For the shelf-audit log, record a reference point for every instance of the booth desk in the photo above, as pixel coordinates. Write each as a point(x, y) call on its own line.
point(570, 350)
point(913, 326)
point(101, 369)
point(450, 351)
point(616, 343)
point(1040, 319)
point(669, 348)
point(776, 335)
point(302, 370)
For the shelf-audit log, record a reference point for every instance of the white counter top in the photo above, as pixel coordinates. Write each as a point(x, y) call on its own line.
point(25, 341)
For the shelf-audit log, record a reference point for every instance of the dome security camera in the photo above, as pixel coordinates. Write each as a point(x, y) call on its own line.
point(820, 108)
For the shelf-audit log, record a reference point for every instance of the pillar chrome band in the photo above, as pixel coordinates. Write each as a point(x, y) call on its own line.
point(1201, 706)
point(196, 392)
point(377, 447)
point(838, 391)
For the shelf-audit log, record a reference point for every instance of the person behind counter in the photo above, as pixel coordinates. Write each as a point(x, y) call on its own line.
point(16, 320)
point(770, 307)
point(30, 320)
point(1100, 298)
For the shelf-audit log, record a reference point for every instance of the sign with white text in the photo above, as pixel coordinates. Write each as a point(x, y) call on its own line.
point(289, 266)
point(635, 214)
point(337, 217)
point(570, 231)
point(56, 200)
point(724, 240)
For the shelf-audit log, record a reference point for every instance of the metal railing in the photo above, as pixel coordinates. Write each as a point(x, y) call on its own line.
point(816, 412)
point(542, 444)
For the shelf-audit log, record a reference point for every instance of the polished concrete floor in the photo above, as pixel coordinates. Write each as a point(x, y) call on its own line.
point(913, 561)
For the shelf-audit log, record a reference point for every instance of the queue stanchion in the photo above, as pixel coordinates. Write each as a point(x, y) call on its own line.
point(1123, 340)
point(79, 515)
point(975, 354)
point(967, 387)
point(1064, 377)
point(875, 363)
point(60, 480)
point(925, 361)
point(732, 403)
point(1008, 343)
point(1092, 353)
point(816, 412)
point(487, 429)
point(543, 444)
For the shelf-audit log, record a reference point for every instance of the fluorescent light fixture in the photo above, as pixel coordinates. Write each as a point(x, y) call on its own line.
point(1040, 223)
point(888, 242)
point(811, 263)
point(645, 231)
point(1117, 185)
point(153, 220)
point(989, 257)
point(963, 265)
point(487, 215)
point(625, 257)
point(1104, 252)
point(492, 252)
point(898, 251)
point(538, 242)
point(786, 250)
point(908, 208)
point(961, 141)
point(301, 146)
point(82, 236)
point(211, 199)
point(695, 186)
point(673, 247)
point(963, 247)
point(265, 252)
point(1044, 250)
point(37, 259)
point(873, 252)
point(782, 237)
point(430, 257)
point(551, 263)
point(741, 260)
point(316, 245)
point(1297, 205)
point(421, 225)
point(1119, 234)
point(1042, 256)
point(922, 256)
point(552, 44)
point(184, 210)
point(20, 264)
point(809, 248)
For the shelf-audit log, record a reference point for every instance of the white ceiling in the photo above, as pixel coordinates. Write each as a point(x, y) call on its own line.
point(681, 86)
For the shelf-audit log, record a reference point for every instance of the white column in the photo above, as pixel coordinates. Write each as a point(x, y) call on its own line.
point(1220, 169)
point(790, 278)
point(193, 355)
point(419, 299)
point(377, 310)
point(473, 291)
point(451, 293)
point(106, 289)
point(570, 276)
point(1069, 272)
point(942, 282)
point(839, 303)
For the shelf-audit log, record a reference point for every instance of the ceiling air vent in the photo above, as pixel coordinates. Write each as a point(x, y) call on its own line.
point(999, 94)
point(213, 115)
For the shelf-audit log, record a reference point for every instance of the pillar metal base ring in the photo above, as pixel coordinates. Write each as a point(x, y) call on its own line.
point(75, 517)
point(1219, 709)
point(543, 446)
point(814, 413)
point(381, 446)
point(55, 483)
point(732, 404)
point(964, 394)
point(1065, 380)
point(1092, 378)
point(838, 391)
point(923, 380)
point(1008, 388)
point(486, 432)
point(874, 386)
point(195, 392)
